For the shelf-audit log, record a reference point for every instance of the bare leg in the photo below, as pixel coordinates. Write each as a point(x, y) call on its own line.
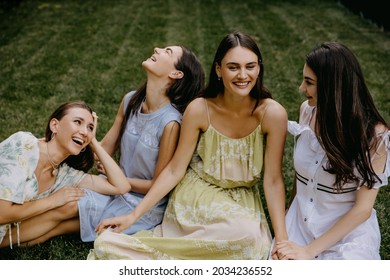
point(41, 225)
point(65, 227)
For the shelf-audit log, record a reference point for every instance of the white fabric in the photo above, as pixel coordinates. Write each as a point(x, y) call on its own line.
point(316, 206)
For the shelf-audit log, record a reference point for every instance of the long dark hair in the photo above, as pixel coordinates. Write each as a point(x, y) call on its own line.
point(180, 93)
point(232, 40)
point(84, 160)
point(346, 114)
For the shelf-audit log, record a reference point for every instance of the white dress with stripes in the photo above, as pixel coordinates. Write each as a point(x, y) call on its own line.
point(317, 207)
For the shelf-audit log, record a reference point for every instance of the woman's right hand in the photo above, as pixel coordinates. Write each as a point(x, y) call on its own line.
point(117, 224)
point(65, 195)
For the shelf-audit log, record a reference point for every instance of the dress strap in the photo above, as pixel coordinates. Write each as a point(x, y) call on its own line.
point(207, 109)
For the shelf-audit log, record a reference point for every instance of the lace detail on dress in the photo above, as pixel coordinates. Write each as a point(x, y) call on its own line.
point(228, 162)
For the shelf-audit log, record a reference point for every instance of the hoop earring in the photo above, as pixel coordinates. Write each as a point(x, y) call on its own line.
point(83, 150)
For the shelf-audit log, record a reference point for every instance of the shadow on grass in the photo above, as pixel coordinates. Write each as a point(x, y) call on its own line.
point(7, 5)
point(65, 247)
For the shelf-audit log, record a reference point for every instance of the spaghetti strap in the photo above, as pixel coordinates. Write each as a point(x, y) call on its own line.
point(207, 109)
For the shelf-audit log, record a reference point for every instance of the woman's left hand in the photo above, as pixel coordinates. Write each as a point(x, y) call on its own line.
point(288, 250)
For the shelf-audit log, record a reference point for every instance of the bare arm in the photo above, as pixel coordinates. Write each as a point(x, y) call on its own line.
point(168, 145)
point(275, 128)
point(109, 140)
point(359, 213)
point(116, 182)
point(193, 122)
point(12, 212)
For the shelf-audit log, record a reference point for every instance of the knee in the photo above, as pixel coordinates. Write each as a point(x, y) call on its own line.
point(67, 211)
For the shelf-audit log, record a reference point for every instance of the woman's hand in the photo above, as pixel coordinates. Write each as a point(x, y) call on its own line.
point(65, 195)
point(288, 250)
point(118, 224)
point(100, 167)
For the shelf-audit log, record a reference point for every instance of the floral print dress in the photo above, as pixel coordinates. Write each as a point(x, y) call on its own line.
point(19, 155)
point(215, 212)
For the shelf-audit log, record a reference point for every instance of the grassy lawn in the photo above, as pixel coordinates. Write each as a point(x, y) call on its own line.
point(55, 51)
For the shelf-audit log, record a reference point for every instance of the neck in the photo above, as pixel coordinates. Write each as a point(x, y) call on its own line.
point(236, 104)
point(155, 98)
point(52, 163)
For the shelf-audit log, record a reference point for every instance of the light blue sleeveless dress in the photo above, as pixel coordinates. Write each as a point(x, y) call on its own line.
point(140, 145)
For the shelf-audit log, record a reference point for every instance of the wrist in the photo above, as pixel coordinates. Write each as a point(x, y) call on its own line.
point(312, 251)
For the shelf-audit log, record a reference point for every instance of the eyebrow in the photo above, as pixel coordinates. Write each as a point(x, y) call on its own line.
point(236, 63)
point(83, 120)
point(308, 78)
point(170, 50)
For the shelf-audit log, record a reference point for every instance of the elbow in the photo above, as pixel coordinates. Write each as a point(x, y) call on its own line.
point(124, 188)
point(366, 214)
point(8, 213)
point(363, 213)
point(274, 183)
point(6, 219)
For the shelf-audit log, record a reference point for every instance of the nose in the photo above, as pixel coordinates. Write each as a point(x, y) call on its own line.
point(83, 130)
point(157, 50)
point(301, 87)
point(242, 74)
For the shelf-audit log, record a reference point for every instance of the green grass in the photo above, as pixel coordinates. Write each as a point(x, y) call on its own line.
point(55, 51)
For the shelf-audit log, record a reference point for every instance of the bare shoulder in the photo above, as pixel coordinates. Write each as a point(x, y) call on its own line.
point(196, 113)
point(271, 111)
point(198, 104)
point(272, 116)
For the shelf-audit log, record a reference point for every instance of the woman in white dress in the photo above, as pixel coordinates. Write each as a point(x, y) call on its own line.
point(341, 159)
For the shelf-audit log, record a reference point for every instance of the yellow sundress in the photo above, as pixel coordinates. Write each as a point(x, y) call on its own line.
point(215, 212)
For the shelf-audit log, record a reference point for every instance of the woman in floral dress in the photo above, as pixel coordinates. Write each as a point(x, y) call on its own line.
point(42, 179)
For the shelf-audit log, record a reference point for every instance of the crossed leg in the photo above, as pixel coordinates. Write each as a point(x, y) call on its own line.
point(38, 229)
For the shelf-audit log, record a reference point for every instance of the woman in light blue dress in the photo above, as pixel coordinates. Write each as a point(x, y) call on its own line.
point(215, 209)
point(145, 132)
point(41, 179)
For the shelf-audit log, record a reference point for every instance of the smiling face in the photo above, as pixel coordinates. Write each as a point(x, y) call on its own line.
point(239, 70)
point(75, 130)
point(309, 85)
point(163, 60)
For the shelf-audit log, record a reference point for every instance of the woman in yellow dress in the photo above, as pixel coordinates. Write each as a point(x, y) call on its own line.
point(214, 209)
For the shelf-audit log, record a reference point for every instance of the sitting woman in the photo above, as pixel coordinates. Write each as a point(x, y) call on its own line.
point(214, 209)
point(41, 180)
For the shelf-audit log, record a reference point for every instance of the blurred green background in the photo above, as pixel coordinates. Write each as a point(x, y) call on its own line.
point(56, 51)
